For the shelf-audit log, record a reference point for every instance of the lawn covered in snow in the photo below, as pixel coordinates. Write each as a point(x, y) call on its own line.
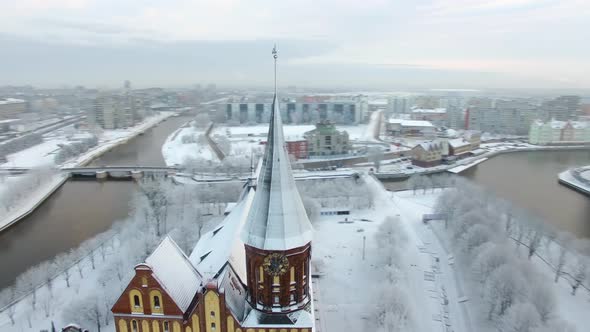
point(243, 140)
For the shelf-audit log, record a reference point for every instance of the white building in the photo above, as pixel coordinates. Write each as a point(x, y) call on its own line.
point(410, 128)
point(10, 108)
point(559, 132)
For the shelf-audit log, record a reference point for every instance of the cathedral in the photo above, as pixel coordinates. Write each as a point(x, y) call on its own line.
point(249, 274)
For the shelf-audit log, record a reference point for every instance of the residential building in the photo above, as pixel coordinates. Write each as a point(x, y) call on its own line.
point(111, 112)
point(410, 128)
point(326, 140)
point(559, 132)
point(512, 117)
point(459, 147)
point(473, 137)
point(562, 108)
point(427, 154)
point(436, 116)
point(250, 273)
point(297, 149)
point(301, 110)
point(11, 108)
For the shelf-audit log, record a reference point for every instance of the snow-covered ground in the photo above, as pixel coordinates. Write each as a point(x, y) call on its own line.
point(350, 285)
point(244, 140)
point(572, 309)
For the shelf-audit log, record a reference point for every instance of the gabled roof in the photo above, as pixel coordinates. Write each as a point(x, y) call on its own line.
point(223, 244)
point(235, 293)
point(277, 219)
point(174, 271)
point(458, 142)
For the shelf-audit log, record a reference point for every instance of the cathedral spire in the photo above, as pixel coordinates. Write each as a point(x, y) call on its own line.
point(277, 219)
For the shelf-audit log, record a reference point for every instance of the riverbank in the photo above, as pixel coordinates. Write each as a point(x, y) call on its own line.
point(493, 150)
point(577, 182)
point(109, 141)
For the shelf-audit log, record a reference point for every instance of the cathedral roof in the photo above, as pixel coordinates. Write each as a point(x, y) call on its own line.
point(174, 271)
point(277, 219)
point(223, 244)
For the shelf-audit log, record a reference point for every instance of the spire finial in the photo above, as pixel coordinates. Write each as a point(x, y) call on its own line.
point(275, 55)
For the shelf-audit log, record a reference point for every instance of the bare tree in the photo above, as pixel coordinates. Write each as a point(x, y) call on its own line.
point(7, 298)
point(534, 241)
point(87, 311)
point(579, 273)
point(521, 317)
point(392, 311)
point(503, 288)
point(541, 296)
point(63, 263)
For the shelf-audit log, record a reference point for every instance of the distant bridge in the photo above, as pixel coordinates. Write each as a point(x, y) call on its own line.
point(120, 172)
point(137, 172)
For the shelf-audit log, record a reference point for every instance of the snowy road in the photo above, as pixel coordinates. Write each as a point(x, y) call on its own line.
point(450, 305)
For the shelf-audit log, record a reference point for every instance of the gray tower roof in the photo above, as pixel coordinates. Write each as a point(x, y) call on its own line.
point(277, 219)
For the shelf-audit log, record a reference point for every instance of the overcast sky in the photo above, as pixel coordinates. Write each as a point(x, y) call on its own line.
point(340, 43)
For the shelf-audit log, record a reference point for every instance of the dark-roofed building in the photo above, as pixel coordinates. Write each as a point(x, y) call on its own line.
point(249, 274)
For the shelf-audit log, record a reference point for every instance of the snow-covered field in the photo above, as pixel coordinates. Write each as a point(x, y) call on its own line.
point(244, 139)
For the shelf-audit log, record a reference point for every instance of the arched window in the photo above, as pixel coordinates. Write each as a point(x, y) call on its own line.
point(156, 302)
point(166, 326)
point(134, 326)
point(136, 301)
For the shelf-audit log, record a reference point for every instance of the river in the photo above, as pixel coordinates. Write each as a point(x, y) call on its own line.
point(80, 209)
point(529, 180)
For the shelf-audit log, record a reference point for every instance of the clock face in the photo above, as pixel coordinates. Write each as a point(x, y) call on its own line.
point(275, 264)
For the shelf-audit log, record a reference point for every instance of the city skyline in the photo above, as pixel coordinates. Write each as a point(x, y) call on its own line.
point(374, 44)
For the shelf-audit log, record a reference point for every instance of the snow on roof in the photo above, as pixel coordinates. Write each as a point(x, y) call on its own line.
point(277, 219)
point(381, 102)
point(458, 142)
point(175, 272)
point(300, 318)
point(429, 146)
point(429, 110)
point(223, 244)
point(6, 101)
point(555, 124)
point(411, 123)
point(235, 293)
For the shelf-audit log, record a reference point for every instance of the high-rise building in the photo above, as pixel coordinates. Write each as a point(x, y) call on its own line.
point(110, 112)
point(562, 108)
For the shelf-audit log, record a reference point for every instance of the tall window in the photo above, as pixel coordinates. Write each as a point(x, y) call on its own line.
point(156, 301)
point(166, 326)
point(134, 325)
point(136, 301)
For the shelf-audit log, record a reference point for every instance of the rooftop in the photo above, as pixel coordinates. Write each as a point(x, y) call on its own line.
point(411, 123)
point(175, 272)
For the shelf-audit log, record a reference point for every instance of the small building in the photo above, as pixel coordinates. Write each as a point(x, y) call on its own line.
point(326, 140)
point(427, 154)
point(297, 148)
point(11, 108)
point(459, 147)
point(410, 128)
point(436, 116)
point(474, 138)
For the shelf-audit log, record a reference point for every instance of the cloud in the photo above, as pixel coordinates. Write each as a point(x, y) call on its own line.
point(508, 37)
